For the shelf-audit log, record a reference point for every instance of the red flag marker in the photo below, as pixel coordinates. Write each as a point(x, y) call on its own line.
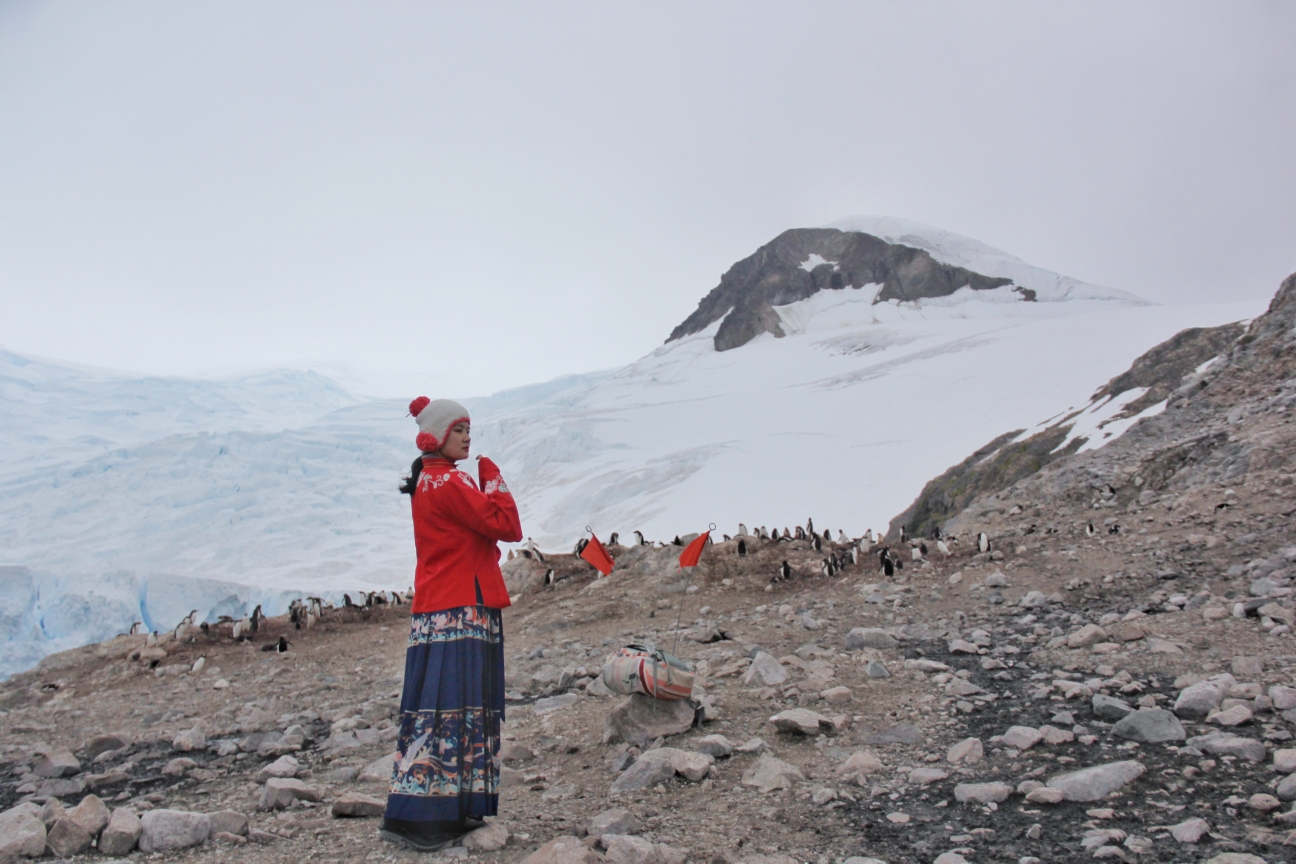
point(694, 551)
point(597, 556)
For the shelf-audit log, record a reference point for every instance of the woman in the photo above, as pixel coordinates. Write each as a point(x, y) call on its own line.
point(446, 775)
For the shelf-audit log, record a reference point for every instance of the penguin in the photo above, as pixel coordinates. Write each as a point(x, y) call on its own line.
point(310, 619)
point(535, 552)
point(764, 534)
point(580, 545)
point(842, 538)
point(800, 533)
point(884, 559)
point(742, 548)
point(914, 553)
point(639, 538)
point(827, 568)
point(983, 542)
point(135, 628)
point(774, 535)
point(868, 536)
point(854, 553)
point(818, 543)
point(1089, 530)
point(295, 616)
point(809, 525)
point(151, 642)
point(784, 572)
point(922, 547)
point(1114, 529)
point(614, 539)
point(510, 555)
point(256, 618)
point(346, 601)
point(198, 665)
point(936, 533)
point(237, 630)
point(904, 534)
point(205, 628)
point(549, 577)
point(742, 530)
point(280, 647)
point(942, 548)
point(787, 535)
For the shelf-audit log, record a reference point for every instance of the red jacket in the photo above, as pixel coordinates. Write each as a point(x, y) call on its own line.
point(456, 527)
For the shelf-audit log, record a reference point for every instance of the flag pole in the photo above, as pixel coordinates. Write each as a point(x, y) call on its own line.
point(679, 615)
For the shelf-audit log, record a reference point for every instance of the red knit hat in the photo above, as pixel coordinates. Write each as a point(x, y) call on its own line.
point(435, 419)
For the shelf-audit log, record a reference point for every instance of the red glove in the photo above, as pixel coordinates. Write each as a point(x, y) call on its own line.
point(486, 471)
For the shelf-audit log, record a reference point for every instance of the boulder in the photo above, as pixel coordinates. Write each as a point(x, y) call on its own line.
point(1199, 700)
point(869, 637)
point(1097, 782)
point(165, 830)
point(122, 832)
point(1110, 708)
point(67, 838)
point(22, 833)
point(91, 814)
point(1150, 726)
point(765, 671)
point(770, 773)
point(491, 837)
point(640, 719)
point(614, 821)
point(982, 793)
point(563, 850)
point(355, 805)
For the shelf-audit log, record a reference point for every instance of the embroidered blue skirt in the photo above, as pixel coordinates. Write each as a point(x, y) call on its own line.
point(447, 761)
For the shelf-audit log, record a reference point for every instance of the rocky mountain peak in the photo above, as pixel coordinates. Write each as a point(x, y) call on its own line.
point(803, 261)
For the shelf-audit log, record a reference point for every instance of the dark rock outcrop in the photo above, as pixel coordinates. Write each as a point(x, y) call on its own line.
point(775, 276)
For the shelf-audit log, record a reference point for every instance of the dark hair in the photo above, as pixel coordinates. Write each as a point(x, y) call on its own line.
point(411, 482)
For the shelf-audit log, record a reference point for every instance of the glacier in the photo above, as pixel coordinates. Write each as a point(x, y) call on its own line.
point(135, 498)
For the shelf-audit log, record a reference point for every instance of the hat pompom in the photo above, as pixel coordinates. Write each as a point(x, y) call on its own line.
point(427, 442)
point(418, 405)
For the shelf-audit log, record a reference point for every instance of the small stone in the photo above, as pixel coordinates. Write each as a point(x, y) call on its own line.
point(1098, 781)
point(1284, 761)
point(898, 818)
point(1198, 700)
point(770, 773)
point(765, 671)
point(1236, 858)
point(512, 751)
point(563, 850)
point(1223, 744)
point(924, 776)
point(1248, 668)
point(379, 771)
point(1089, 634)
point(1110, 708)
point(823, 795)
point(178, 766)
point(101, 744)
point(355, 805)
point(551, 704)
point(1139, 845)
point(1163, 646)
point(715, 746)
point(982, 793)
point(1284, 698)
point(1045, 795)
point(967, 751)
point(91, 814)
point(1054, 736)
point(876, 669)
point(284, 766)
point(1190, 830)
point(491, 837)
point(190, 740)
point(229, 822)
point(643, 774)
point(1234, 716)
point(280, 792)
point(962, 646)
point(1022, 737)
point(640, 719)
point(869, 637)
point(950, 858)
point(753, 746)
point(800, 720)
point(614, 821)
point(164, 830)
point(121, 834)
point(1263, 803)
point(859, 766)
point(56, 763)
point(1149, 727)
point(836, 695)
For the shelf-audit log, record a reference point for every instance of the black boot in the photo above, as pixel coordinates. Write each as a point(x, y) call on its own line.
point(421, 836)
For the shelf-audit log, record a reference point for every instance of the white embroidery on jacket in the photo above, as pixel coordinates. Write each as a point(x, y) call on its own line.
point(432, 482)
point(467, 480)
point(496, 485)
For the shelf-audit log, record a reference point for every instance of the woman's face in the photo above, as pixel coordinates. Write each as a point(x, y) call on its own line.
point(457, 442)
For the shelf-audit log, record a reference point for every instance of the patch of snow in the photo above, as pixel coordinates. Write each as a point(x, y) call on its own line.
point(816, 260)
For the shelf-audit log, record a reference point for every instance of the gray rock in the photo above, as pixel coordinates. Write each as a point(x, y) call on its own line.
point(284, 766)
point(765, 671)
point(22, 833)
point(512, 751)
point(1287, 788)
point(770, 773)
point(643, 774)
point(56, 763)
point(356, 806)
point(716, 746)
point(190, 740)
point(91, 814)
point(753, 746)
point(1284, 698)
point(1190, 830)
point(926, 776)
point(640, 719)
point(801, 720)
point(555, 703)
point(1224, 744)
point(614, 821)
point(1236, 858)
point(164, 830)
point(1150, 726)
point(982, 793)
point(122, 833)
point(60, 787)
point(67, 838)
point(52, 811)
point(1110, 708)
point(967, 751)
point(1097, 782)
point(101, 744)
point(869, 637)
point(876, 669)
point(1195, 702)
point(491, 837)
point(563, 850)
point(1022, 737)
point(379, 771)
point(280, 792)
point(228, 822)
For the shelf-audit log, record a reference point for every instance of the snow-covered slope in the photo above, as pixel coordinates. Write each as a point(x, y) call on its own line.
point(125, 498)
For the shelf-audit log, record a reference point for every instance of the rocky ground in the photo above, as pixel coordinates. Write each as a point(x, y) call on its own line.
point(1114, 678)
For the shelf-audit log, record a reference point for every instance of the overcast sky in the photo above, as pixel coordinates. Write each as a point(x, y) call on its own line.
point(462, 197)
